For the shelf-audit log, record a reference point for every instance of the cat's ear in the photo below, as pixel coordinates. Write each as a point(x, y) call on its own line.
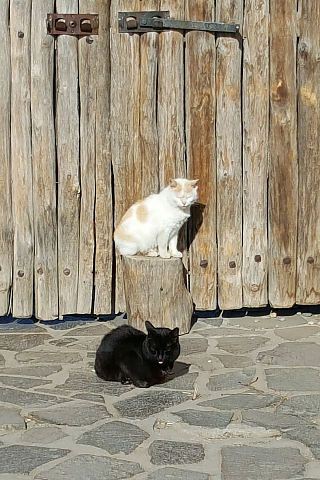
point(149, 326)
point(175, 334)
point(172, 183)
point(193, 183)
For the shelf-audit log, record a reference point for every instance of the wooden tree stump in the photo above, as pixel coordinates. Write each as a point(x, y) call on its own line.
point(155, 290)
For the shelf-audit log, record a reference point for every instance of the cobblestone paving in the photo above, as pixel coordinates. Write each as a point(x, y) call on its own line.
point(243, 403)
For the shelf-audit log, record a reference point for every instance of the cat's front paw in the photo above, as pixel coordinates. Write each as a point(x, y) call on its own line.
point(141, 384)
point(176, 254)
point(165, 255)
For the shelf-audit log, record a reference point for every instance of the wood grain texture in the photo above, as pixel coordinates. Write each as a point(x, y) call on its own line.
point(200, 114)
point(20, 19)
point(67, 131)
point(229, 159)
point(171, 99)
point(43, 164)
point(255, 152)
point(155, 290)
point(6, 233)
point(103, 260)
point(308, 281)
point(283, 171)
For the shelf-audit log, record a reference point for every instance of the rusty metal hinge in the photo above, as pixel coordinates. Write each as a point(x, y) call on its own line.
point(159, 21)
point(72, 24)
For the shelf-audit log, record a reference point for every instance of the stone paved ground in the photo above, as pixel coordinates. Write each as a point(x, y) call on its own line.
point(242, 404)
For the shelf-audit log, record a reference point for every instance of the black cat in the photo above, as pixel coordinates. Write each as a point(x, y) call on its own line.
point(128, 355)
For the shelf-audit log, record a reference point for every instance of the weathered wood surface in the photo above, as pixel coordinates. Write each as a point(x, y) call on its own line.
point(103, 219)
point(229, 158)
point(283, 167)
point(171, 99)
point(155, 290)
point(201, 159)
point(43, 163)
point(20, 19)
point(308, 281)
point(255, 152)
point(6, 234)
point(67, 131)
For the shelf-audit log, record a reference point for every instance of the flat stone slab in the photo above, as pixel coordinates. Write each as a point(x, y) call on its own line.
point(235, 361)
point(203, 418)
point(96, 329)
point(89, 397)
point(268, 323)
point(48, 357)
point(40, 371)
point(2, 360)
point(301, 379)
point(240, 345)
point(142, 406)
point(272, 420)
point(170, 473)
point(227, 332)
point(231, 380)
point(85, 467)
point(11, 420)
point(307, 406)
point(175, 453)
point(309, 436)
point(27, 399)
point(296, 333)
point(73, 413)
point(193, 345)
point(22, 458)
point(292, 354)
point(242, 401)
point(182, 382)
point(42, 435)
point(259, 463)
point(22, 382)
point(87, 381)
point(115, 437)
point(19, 343)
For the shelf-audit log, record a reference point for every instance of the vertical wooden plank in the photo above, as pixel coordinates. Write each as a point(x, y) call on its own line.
point(6, 234)
point(103, 260)
point(171, 99)
point(67, 130)
point(255, 152)
point(44, 163)
point(308, 281)
point(283, 171)
point(229, 157)
point(125, 100)
point(20, 18)
point(201, 154)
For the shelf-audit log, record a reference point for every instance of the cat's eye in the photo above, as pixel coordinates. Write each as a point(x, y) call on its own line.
point(153, 351)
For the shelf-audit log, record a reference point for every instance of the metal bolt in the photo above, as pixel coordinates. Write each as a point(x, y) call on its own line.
point(310, 260)
point(20, 273)
point(255, 287)
point(232, 264)
point(132, 23)
point(0, 268)
point(20, 34)
point(204, 263)
point(40, 271)
point(72, 24)
point(257, 258)
point(66, 271)
point(89, 40)
point(287, 261)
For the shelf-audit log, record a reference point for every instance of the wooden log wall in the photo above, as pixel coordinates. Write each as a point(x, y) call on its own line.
point(88, 126)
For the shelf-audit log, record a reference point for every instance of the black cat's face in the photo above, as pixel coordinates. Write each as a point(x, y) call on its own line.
point(162, 345)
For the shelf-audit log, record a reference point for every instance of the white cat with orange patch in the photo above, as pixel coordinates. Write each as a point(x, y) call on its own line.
point(151, 226)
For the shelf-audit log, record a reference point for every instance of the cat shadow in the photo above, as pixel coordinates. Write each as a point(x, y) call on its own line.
point(179, 369)
point(195, 221)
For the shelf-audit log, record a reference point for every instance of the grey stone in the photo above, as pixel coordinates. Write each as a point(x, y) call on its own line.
point(115, 437)
point(11, 420)
point(18, 343)
point(235, 361)
point(42, 435)
point(307, 406)
point(48, 357)
point(295, 333)
point(89, 397)
point(259, 463)
point(87, 381)
point(85, 467)
point(183, 382)
point(169, 473)
point(289, 379)
point(2, 360)
point(308, 435)
point(272, 420)
point(292, 354)
point(142, 406)
point(83, 344)
point(97, 329)
point(23, 458)
point(63, 342)
point(22, 382)
point(193, 345)
point(74, 414)
point(164, 452)
point(227, 332)
point(242, 401)
point(267, 322)
point(204, 418)
point(27, 399)
point(240, 345)
point(39, 371)
point(231, 380)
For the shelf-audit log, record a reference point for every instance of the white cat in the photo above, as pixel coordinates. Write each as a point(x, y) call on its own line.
point(151, 226)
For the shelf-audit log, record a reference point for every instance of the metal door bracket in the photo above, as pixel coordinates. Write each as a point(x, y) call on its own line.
point(159, 21)
point(72, 24)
